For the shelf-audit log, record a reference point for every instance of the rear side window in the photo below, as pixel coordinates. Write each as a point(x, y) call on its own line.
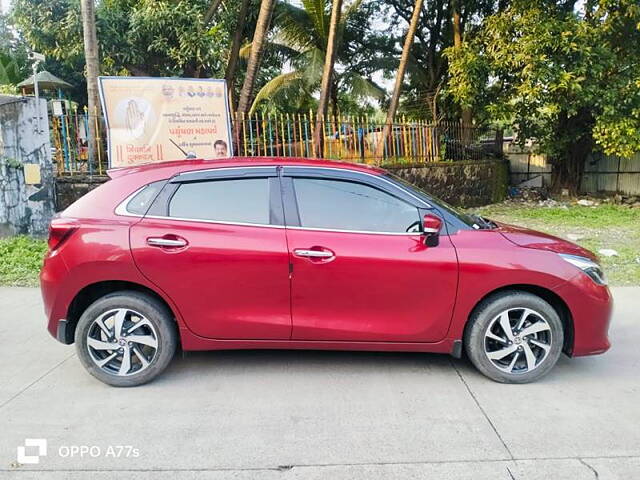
point(344, 205)
point(140, 202)
point(240, 201)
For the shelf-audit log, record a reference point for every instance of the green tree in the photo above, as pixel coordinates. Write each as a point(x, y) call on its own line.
point(424, 92)
point(135, 37)
point(567, 78)
point(13, 58)
point(301, 37)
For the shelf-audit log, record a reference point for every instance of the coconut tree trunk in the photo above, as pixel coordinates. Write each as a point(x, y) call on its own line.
point(404, 59)
point(457, 43)
point(232, 64)
point(93, 70)
point(257, 47)
point(211, 11)
point(327, 74)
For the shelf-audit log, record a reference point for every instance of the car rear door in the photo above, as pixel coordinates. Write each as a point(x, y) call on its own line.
point(361, 268)
point(214, 241)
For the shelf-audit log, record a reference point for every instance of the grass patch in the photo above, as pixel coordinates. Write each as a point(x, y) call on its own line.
point(608, 226)
point(21, 260)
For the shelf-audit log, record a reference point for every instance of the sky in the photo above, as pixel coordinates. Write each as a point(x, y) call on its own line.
point(5, 5)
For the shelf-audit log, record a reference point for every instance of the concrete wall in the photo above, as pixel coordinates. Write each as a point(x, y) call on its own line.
point(69, 189)
point(463, 184)
point(466, 184)
point(26, 171)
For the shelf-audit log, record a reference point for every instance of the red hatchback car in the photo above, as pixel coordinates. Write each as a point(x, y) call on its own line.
point(280, 253)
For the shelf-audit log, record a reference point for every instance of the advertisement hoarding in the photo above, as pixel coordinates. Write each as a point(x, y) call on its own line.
point(159, 119)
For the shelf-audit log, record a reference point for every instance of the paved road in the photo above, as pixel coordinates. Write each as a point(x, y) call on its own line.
point(300, 415)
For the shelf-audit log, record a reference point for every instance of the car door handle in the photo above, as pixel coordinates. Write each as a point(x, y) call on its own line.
point(166, 242)
point(300, 252)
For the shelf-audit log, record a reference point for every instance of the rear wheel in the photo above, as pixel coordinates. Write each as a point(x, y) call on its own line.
point(514, 337)
point(126, 338)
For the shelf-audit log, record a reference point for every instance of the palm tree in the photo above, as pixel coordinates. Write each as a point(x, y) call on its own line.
point(93, 70)
point(302, 36)
point(232, 64)
point(404, 59)
point(457, 43)
point(259, 39)
point(327, 74)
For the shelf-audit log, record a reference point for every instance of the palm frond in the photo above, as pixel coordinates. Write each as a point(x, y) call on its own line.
point(295, 26)
point(346, 17)
point(314, 65)
point(361, 87)
point(278, 48)
point(285, 81)
point(318, 11)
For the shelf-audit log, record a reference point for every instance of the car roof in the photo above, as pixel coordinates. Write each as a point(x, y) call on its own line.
point(176, 166)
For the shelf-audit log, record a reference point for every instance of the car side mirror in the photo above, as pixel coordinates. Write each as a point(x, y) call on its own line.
point(431, 226)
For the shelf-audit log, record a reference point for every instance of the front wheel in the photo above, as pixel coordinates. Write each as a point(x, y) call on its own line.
point(514, 337)
point(126, 338)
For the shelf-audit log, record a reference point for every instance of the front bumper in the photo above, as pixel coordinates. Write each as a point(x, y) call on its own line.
point(591, 306)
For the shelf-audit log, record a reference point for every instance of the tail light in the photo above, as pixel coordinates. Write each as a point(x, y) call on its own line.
point(60, 230)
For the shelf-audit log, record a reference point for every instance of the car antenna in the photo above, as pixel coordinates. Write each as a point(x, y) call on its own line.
point(186, 155)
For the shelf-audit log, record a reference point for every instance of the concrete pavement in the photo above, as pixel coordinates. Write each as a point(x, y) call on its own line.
point(298, 415)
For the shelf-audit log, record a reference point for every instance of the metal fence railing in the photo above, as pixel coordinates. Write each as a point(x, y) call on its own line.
point(349, 138)
point(69, 143)
point(362, 139)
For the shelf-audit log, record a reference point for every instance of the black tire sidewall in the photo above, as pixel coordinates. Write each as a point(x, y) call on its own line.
point(487, 311)
point(154, 311)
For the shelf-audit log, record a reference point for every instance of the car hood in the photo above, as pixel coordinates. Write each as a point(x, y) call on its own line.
point(527, 238)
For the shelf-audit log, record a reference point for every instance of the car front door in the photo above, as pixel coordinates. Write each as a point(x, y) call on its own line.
point(361, 270)
point(214, 241)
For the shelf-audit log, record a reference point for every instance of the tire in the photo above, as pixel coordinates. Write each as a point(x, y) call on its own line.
point(528, 352)
point(126, 324)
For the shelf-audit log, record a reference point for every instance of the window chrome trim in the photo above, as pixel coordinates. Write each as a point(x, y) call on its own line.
point(379, 177)
point(220, 222)
point(245, 224)
point(411, 234)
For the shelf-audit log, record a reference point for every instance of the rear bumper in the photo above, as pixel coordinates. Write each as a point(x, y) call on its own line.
point(52, 276)
point(591, 306)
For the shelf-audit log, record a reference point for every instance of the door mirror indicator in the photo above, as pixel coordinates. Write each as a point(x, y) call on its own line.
point(431, 226)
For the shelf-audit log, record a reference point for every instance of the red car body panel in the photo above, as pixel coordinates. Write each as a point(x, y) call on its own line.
point(524, 237)
point(376, 288)
point(231, 282)
point(232, 287)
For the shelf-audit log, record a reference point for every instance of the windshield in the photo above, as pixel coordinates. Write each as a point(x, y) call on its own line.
point(469, 219)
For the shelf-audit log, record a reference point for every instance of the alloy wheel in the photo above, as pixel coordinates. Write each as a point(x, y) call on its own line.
point(122, 342)
point(518, 340)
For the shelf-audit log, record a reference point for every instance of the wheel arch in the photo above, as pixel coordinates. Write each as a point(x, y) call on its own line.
point(558, 304)
point(90, 293)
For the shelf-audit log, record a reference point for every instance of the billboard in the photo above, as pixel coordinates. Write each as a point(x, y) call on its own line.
point(159, 119)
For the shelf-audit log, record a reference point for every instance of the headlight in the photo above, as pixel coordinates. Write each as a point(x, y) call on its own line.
point(588, 266)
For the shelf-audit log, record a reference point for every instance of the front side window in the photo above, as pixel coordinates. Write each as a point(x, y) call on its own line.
point(238, 201)
point(344, 205)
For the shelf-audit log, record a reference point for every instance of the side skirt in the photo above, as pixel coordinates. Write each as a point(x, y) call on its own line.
point(190, 341)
